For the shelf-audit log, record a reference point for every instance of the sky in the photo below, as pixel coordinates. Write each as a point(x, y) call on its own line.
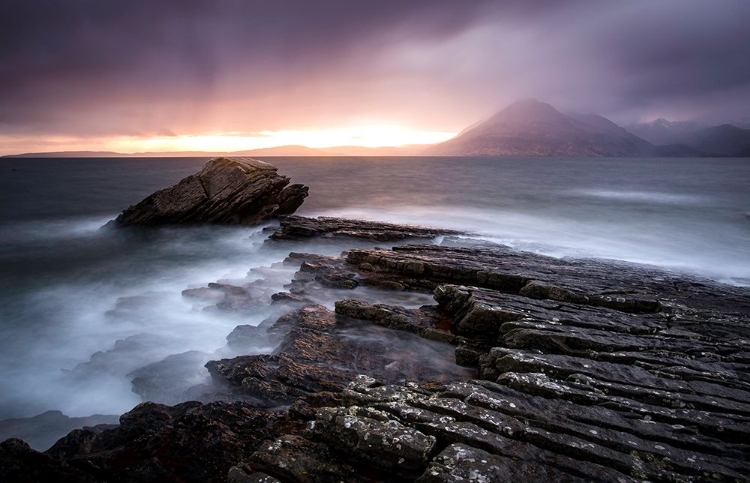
point(224, 75)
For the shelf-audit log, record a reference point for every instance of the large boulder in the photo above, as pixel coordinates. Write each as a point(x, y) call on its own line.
point(229, 191)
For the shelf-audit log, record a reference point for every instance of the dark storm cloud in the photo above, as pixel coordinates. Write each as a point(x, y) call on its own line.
point(93, 67)
point(681, 51)
point(76, 53)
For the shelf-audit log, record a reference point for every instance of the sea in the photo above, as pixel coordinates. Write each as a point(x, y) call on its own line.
point(82, 308)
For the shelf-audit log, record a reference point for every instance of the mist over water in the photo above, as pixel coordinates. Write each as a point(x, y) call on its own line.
point(69, 291)
point(689, 215)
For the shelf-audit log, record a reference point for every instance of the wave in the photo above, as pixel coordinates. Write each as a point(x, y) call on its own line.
point(691, 247)
point(650, 197)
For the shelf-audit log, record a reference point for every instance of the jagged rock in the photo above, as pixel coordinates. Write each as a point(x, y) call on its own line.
point(300, 228)
point(239, 475)
point(459, 462)
point(20, 463)
point(426, 321)
point(231, 191)
point(375, 437)
point(194, 442)
point(295, 458)
point(324, 352)
point(43, 430)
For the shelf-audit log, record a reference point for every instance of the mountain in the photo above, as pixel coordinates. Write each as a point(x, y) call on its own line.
point(533, 128)
point(68, 154)
point(275, 151)
point(723, 140)
point(408, 150)
point(662, 131)
point(292, 150)
point(743, 123)
point(726, 140)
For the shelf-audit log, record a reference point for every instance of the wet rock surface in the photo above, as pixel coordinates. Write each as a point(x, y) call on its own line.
point(575, 370)
point(299, 228)
point(187, 442)
point(43, 430)
point(322, 352)
point(233, 191)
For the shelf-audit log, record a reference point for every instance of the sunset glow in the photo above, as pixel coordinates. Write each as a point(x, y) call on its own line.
point(366, 136)
point(370, 136)
point(254, 75)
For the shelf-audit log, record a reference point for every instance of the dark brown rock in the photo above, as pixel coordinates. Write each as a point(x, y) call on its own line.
point(229, 191)
point(298, 459)
point(460, 462)
point(187, 442)
point(426, 321)
point(324, 352)
point(43, 430)
point(21, 464)
point(374, 436)
point(300, 228)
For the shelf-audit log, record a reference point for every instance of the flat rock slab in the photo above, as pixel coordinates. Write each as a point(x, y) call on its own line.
point(620, 286)
point(323, 351)
point(229, 191)
point(301, 228)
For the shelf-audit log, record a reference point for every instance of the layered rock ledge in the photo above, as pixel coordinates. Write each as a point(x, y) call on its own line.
point(572, 371)
point(301, 228)
point(233, 191)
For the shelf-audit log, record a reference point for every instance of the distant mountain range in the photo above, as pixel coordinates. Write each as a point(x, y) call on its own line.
point(722, 140)
point(533, 128)
point(292, 151)
point(527, 128)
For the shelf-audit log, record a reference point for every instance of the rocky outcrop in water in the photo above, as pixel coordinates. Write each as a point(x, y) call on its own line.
point(230, 191)
point(576, 371)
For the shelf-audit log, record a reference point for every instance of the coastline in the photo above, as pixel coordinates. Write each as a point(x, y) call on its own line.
point(585, 369)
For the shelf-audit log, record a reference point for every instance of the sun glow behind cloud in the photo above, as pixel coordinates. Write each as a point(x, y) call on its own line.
point(365, 136)
point(371, 136)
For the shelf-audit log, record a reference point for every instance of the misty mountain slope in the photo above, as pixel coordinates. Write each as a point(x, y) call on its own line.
point(722, 140)
point(533, 128)
point(725, 140)
point(662, 131)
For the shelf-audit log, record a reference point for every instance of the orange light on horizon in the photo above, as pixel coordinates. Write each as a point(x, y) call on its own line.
point(371, 136)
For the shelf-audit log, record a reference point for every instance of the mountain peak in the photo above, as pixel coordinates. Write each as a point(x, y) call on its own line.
point(533, 128)
point(661, 122)
point(527, 111)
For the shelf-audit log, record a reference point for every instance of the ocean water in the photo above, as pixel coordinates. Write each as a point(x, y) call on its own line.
point(82, 308)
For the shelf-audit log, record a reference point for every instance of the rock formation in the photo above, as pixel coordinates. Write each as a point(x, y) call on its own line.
point(573, 371)
point(229, 191)
point(300, 228)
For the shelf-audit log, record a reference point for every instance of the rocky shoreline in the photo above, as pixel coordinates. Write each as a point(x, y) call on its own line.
point(436, 358)
point(568, 370)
